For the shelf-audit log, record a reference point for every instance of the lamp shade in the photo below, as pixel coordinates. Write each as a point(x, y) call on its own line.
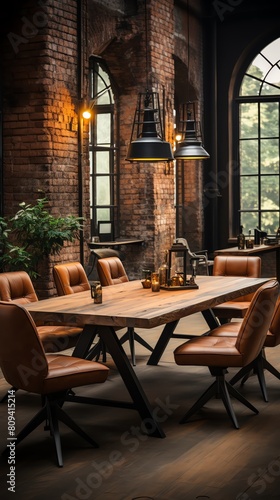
point(147, 142)
point(190, 148)
point(149, 149)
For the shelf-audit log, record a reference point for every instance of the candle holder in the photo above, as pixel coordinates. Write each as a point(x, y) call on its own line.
point(96, 291)
point(155, 282)
point(177, 269)
point(146, 278)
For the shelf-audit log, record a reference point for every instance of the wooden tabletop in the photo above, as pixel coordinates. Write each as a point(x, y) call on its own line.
point(128, 304)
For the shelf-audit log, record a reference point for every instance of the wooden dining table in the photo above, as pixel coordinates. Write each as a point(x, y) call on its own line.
point(130, 305)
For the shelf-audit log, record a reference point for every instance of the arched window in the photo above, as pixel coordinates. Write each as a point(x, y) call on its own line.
point(102, 153)
point(259, 125)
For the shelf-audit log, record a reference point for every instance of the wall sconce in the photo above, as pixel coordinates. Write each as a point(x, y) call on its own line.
point(86, 109)
point(86, 114)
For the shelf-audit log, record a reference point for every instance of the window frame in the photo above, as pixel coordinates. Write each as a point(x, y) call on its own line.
point(110, 108)
point(236, 140)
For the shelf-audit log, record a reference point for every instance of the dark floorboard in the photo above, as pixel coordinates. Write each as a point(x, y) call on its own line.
point(204, 458)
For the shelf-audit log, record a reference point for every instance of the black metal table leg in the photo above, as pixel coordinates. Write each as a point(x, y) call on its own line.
point(210, 318)
point(141, 403)
point(84, 341)
point(162, 342)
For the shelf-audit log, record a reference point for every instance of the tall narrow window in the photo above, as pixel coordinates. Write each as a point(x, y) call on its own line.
point(259, 125)
point(102, 151)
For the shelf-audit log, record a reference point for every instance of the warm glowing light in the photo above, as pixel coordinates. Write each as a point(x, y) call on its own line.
point(86, 114)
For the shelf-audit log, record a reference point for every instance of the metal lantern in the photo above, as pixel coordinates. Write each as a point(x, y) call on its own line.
point(177, 269)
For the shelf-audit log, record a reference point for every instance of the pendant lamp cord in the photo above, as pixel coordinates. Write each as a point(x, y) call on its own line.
point(146, 46)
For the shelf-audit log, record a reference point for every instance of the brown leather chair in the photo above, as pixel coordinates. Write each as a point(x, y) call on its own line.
point(26, 366)
point(219, 353)
point(259, 364)
point(112, 272)
point(69, 278)
point(235, 266)
point(17, 287)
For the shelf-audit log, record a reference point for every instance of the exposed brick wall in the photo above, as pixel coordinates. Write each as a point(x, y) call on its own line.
point(41, 88)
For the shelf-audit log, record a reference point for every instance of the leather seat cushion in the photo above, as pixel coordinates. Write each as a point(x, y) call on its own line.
point(209, 351)
point(58, 338)
point(231, 330)
point(66, 371)
point(231, 309)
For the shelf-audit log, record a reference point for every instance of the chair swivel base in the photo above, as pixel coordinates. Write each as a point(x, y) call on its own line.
point(221, 389)
point(52, 413)
point(257, 367)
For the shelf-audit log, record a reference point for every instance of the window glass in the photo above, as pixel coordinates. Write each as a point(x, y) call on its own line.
point(103, 85)
point(249, 192)
point(259, 142)
point(102, 165)
point(249, 221)
point(103, 214)
point(269, 221)
point(269, 119)
point(249, 157)
point(103, 129)
point(103, 158)
point(269, 192)
point(248, 120)
point(269, 156)
point(103, 190)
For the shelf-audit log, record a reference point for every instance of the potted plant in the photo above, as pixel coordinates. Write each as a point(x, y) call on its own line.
point(32, 235)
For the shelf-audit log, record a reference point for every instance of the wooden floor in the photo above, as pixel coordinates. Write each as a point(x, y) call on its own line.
point(204, 458)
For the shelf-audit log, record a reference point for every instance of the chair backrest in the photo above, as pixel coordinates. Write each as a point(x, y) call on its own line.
point(17, 286)
point(230, 265)
point(102, 253)
point(22, 357)
point(254, 327)
point(111, 271)
point(69, 278)
point(273, 335)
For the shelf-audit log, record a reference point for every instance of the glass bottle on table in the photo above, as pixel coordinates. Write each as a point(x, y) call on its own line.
point(241, 239)
point(250, 242)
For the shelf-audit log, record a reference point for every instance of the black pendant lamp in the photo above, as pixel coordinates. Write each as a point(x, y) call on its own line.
point(190, 148)
point(147, 139)
point(147, 143)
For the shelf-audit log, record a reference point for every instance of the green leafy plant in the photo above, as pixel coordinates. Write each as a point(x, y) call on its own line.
point(34, 234)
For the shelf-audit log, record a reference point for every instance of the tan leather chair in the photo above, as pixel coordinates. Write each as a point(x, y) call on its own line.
point(17, 287)
point(235, 266)
point(69, 278)
point(259, 364)
point(26, 366)
point(219, 353)
point(112, 272)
